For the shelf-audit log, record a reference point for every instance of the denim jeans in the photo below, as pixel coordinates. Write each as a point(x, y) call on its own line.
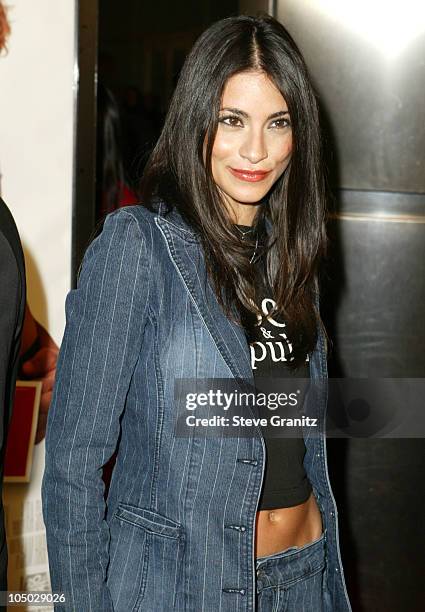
point(292, 580)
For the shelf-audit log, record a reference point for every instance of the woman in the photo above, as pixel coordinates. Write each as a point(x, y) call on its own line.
point(170, 290)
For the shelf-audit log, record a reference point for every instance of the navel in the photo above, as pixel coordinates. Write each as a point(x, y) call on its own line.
point(274, 516)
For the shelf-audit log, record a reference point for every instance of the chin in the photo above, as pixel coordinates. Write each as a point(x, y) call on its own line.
point(251, 198)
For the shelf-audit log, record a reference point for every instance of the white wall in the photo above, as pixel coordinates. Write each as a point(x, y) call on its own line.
point(36, 146)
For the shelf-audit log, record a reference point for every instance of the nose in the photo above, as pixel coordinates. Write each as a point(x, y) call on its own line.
point(253, 148)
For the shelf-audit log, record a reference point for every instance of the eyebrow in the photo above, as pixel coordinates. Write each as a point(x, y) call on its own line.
point(242, 113)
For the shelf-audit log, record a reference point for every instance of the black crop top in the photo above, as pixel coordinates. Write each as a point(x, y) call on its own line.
point(285, 482)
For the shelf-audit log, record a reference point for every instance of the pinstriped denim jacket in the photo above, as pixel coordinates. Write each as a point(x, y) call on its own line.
point(177, 531)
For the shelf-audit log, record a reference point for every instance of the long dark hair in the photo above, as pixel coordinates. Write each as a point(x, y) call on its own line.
point(177, 174)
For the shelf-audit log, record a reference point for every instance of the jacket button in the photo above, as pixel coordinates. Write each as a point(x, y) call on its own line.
point(247, 461)
point(234, 590)
point(236, 527)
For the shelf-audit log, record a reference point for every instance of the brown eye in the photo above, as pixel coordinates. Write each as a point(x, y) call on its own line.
point(232, 120)
point(281, 123)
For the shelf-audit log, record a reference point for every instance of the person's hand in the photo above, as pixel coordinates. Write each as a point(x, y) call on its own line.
point(42, 366)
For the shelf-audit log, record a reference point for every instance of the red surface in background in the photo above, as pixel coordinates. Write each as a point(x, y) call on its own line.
point(19, 434)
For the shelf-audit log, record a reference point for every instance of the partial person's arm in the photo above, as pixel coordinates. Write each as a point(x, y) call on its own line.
point(10, 297)
point(12, 300)
point(105, 319)
point(38, 359)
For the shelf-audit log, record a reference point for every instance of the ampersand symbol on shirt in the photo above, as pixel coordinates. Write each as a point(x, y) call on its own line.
point(266, 333)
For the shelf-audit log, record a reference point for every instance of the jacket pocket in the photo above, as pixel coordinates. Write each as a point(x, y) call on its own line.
point(149, 521)
point(139, 537)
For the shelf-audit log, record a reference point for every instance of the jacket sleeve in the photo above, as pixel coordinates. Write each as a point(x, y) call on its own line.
point(105, 318)
point(9, 306)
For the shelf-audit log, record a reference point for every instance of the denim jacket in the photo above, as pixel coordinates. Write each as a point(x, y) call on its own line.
point(177, 531)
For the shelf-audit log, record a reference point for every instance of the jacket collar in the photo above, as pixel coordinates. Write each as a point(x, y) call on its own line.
point(176, 221)
point(184, 248)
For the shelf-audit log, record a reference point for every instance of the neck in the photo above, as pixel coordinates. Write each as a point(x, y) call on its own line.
point(246, 217)
point(242, 214)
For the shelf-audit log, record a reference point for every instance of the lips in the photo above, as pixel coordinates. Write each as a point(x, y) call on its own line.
point(249, 175)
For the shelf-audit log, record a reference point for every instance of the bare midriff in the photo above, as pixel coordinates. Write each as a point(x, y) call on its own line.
point(282, 528)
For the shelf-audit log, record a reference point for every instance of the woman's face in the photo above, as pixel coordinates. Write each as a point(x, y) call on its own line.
point(253, 143)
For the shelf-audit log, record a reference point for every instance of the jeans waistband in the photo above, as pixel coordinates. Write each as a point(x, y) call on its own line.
point(295, 572)
point(291, 565)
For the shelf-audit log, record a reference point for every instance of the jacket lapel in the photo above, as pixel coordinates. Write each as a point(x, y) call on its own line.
point(186, 253)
